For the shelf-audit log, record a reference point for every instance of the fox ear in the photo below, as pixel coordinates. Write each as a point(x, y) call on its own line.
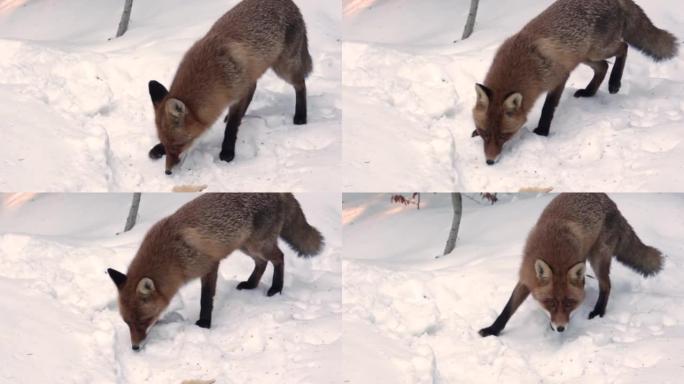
point(576, 273)
point(483, 95)
point(145, 287)
point(117, 277)
point(157, 92)
point(513, 102)
point(176, 108)
point(542, 270)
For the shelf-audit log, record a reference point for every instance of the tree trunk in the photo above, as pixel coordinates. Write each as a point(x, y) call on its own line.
point(455, 223)
point(133, 212)
point(470, 23)
point(125, 18)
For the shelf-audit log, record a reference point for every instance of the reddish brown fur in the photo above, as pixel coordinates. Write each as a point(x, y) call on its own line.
point(573, 229)
point(192, 242)
point(222, 69)
point(540, 58)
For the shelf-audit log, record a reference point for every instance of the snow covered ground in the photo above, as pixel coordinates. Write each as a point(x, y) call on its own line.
point(60, 322)
point(408, 91)
point(412, 318)
point(75, 113)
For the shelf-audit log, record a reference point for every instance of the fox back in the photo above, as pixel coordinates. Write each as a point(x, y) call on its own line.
point(220, 69)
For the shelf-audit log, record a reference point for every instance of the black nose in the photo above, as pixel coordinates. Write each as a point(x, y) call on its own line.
point(168, 172)
point(490, 162)
point(560, 329)
point(136, 347)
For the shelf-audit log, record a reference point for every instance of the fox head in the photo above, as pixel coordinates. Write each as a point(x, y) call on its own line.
point(497, 118)
point(177, 127)
point(140, 305)
point(559, 292)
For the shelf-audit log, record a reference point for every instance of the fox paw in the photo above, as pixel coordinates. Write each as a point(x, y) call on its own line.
point(299, 120)
point(541, 132)
point(273, 290)
point(584, 93)
point(203, 323)
point(474, 134)
point(595, 313)
point(614, 88)
point(227, 156)
point(489, 331)
point(157, 151)
point(245, 285)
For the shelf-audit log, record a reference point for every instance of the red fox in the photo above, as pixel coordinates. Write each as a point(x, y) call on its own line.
point(572, 229)
point(222, 69)
point(192, 242)
point(540, 58)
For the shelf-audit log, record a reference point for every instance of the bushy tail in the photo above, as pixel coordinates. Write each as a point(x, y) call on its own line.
point(646, 37)
point(301, 236)
point(631, 252)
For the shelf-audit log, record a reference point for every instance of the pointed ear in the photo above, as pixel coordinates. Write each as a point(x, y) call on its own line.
point(145, 287)
point(176, 108)
point(483, 95)
point(542, 270)
point(576, 273)
point(513, 102)
point(157, 92)
point(118, 278)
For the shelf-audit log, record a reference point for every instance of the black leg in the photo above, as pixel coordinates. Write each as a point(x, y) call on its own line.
point(600, 68)
point(278, 262)
point(615, 81)
point(235, 115)
point(519, 295)
point(300, 107)
point(207, 298)
point(255, 277)
point(549, 109)
point(601, 265)
point(157, 151)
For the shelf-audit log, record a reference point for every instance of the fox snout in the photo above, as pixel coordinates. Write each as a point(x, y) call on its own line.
point(559, 327)
point(172, 159)
point(492, 151)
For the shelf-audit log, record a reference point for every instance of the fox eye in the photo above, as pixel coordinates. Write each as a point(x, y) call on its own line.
point(551, 303)
point(567, 304)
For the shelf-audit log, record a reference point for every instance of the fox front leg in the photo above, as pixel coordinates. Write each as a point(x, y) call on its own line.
point(520, 293)
point(207, 298)
point(601, 266)
point(549, 109)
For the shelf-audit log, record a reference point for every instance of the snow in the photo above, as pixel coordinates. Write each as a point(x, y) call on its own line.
point(408, 91)
point(76, 115)
point(410, 317)
point(61, 323)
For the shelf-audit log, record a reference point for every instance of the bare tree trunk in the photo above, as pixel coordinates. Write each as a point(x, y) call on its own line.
point(133, 212)
point(457, 204)
point(470, 24)
point(125, 18)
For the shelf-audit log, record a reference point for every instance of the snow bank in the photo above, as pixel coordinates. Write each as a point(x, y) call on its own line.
point(61, 323)
point(412, 318)
point(409, 91)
